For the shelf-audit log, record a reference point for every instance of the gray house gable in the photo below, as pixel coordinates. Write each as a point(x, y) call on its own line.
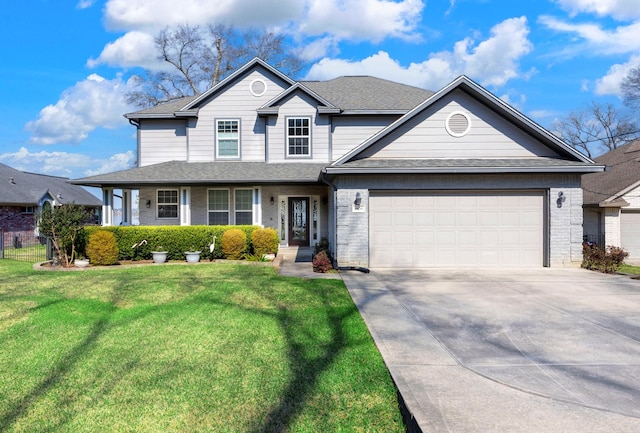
point(539, 142)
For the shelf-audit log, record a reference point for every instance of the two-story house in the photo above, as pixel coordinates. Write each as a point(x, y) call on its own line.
point(391, 174)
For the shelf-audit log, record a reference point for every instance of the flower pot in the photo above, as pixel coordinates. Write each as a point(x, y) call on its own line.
point(192, 256)
point(159, 256)
point(81, 263)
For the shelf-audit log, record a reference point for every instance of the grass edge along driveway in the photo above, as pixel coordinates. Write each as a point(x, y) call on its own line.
point(225, 348)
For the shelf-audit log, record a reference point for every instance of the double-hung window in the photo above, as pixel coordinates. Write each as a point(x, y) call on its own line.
point(167, 202)
point(219, 207)
point(228, 138)
point(244, 206)
point(298, 136)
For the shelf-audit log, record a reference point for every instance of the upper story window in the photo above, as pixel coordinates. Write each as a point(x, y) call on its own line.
point(298, 136)
point(167, 203)
point(228, 138)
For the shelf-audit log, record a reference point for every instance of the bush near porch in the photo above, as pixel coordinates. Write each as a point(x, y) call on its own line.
point(173, 239)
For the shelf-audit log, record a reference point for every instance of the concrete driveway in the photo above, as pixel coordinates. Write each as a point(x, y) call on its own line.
point(547, 350)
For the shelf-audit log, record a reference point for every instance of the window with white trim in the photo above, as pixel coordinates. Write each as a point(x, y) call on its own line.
point(227, 138)
point(244, 206)
point(167, 203)
point(298, 136)
point(218, 206)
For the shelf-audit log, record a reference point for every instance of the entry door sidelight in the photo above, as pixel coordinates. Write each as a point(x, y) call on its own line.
point(299, 221)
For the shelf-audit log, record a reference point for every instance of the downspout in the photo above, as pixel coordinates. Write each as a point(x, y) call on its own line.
point(137, 125)
point(325, 179)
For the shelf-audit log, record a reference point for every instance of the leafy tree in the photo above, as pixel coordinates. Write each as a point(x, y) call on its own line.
point(630, 87)
point(597, 129)
point(63, 224)
point(199, 57)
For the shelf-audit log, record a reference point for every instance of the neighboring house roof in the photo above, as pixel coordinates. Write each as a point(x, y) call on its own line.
point(182, 172)
point(622, 175)
point(468, 86)
point(22, 188)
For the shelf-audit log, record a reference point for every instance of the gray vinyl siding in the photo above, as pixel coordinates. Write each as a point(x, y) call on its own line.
point(161, 141)
point(234, 102)
point(299, 105)
point(490, 135)
point(350, 131)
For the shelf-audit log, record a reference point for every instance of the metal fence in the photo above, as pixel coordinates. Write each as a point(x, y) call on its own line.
point(24, 246)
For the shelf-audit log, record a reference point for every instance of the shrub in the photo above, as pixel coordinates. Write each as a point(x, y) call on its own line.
point(102, 248)
point(604, 260)
point(322, 262)
point(63, 224)
point(234, 243)
point(265, 241)
point(322, 245)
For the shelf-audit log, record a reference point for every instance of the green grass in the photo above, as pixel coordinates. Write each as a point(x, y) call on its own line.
point(177, 348)
point(629, 269)
point(28, 253)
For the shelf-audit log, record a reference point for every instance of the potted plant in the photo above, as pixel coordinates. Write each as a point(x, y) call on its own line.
point(192, 255)
point(160, 255)
point(81, 262)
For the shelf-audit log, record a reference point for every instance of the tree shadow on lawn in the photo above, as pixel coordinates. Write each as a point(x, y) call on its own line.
point(309, 354)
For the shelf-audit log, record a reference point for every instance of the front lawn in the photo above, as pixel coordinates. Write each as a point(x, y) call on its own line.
point(186, 348)
point(629, 269)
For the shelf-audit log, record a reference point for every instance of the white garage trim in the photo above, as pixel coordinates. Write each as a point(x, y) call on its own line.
point(416, 229)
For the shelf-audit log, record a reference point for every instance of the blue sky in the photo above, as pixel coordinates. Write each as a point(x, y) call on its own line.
point(67, 63)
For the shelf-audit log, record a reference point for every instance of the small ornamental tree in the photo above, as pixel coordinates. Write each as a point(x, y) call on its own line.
point(63, 224)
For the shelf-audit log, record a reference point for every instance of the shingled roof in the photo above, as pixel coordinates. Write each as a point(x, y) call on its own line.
point(219, 172)
point(621, 175)
point(350, 94)
point(365, 93)
point(22, 188)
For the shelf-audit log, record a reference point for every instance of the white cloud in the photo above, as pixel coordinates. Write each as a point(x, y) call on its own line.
point(131, 50)
point(92, 103)
point(84, 4)
point(618, 9)
point(610, 83)
point(153, 15)
point(492, 62)
point(621, 40)
point(372, 20)
point(66, 164)
point(325, 22)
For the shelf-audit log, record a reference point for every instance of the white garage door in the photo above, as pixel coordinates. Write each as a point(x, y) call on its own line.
point(630, 234)
point(426, 229)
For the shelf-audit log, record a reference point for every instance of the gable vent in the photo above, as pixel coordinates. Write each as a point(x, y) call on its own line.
point(458, 124)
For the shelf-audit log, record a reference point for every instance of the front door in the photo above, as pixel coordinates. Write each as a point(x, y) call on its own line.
point(299, 221)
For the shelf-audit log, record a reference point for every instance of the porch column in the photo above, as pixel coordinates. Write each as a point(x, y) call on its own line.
point(107, 206)
point(612, 226)
point(126, 207)
point(185, 206)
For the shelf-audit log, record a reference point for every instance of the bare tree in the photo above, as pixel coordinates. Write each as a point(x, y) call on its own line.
point(630, 87)
point(597, 129)
point(198, 58)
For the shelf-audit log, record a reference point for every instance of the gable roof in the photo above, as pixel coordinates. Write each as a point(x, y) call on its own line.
point(622, 175)
point(345, 95)
point(22, 188)
point(490, 101)
point(187, 106)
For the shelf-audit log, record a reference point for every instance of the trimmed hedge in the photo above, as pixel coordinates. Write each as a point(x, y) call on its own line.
point(173, 239)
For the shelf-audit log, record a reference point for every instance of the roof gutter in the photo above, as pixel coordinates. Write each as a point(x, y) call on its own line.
point(470, 170)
